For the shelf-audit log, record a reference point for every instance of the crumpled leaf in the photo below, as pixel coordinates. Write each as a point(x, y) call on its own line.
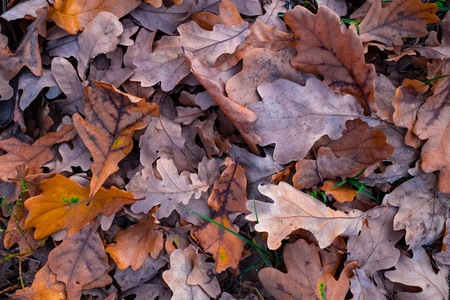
point(63, 205)
point(241, 117)
point(422, 209)
point(296, 112)
point(292, 209)
point(135, 243)
point(33, 156)
point(79, 260)
point(100, 36)
point(74, 15)
point(433, 123)
point(338, 57)
point(181, 265)
point(306, 278)
point(374, 248)
point(418, 271)
point(45, 286)
point(111, 119)
point(171, 188)
point(400, 19)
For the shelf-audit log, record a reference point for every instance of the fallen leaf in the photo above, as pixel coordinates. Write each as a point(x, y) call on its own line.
point(270, 17)
point(181, 265)
point(79, 260)
point(76, 155)
point(203, 275)
point(339, 7)
point(422, 209)
point(400, 19)
point(296, 112)
point(32, 85)
point(134, 244)
point(248, 7)
point(63, 205)
point(101, 35)
point(443, 256)
point(374, 248)
point(228, 16)
point(293, 209)
point(433, 123)
point(74, 15)
point(363, 288)
point(305, 278)
point(417, 271)
point(338, 57)
point(111, 119)
point(342, 193)
point(45, 286)
point(33, 156)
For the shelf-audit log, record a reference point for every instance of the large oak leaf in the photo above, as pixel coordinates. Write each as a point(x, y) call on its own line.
point(292, 209)
point(111, 119)
point(294, 117)
point(338, 57)
point(64, 204)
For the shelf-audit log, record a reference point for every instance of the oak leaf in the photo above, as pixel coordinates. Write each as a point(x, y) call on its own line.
point(169, 188)
point(342, 193)
point(181, 265)
point(302, 114)
point(135, 243)
point(422, 209)
point(338, 57)
point(418, 271)
point(33, 156)
point(202, 275)
point(374, 248)
point(292, 209)
point(363, 288)
point(228, 16)
point(270, 17)
point(79, 260)
point(45, 286)
point(433, 123)
point(400, 19)
point(248, 7)
point(74, 15)
point(111, 119)
point(76, 155)
point(64, 204)
point(101, 35)
point(339, 7)
point(443, 257)
point(306, 278)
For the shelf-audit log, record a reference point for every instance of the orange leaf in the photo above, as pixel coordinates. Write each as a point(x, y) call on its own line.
point(111, 119)
point(63, 205)
point(45, 287)
point(338, 57)
point(400, 19)
point(343, 193)
point(33, 156)
point(79, 260)
point(135, 243)
point(229, 191)
point(74, 15)
point(225, 247)
point(228, 16)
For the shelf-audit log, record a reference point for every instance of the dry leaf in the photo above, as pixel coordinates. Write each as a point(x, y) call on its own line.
point(228, 16)
point(135, 243)
point(342, 193)
point(338, 57)
point(417, 271)
point(294, 113)
point(111, 119)
point(363, 288)
point(293, 209)
point(63, 205)
point(74, 15)
point(270, 17)
point(400, 19)
point(79, 260)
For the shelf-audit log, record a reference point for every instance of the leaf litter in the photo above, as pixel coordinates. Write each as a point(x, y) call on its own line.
point(242, 149)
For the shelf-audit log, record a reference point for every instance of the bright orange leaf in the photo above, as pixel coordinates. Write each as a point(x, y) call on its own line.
point(65, 204)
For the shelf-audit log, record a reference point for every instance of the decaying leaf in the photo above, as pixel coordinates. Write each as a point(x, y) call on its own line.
point(400, 19)
point(292, 209)
point(134, 244)
point(228, 16)
point(301, 114)
point(338, 57)
point(306, 278)
point(33, 156)
point(418, 271)
point(111, 119)
point(363, 288)
point(64, 204)
point(79, 260)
